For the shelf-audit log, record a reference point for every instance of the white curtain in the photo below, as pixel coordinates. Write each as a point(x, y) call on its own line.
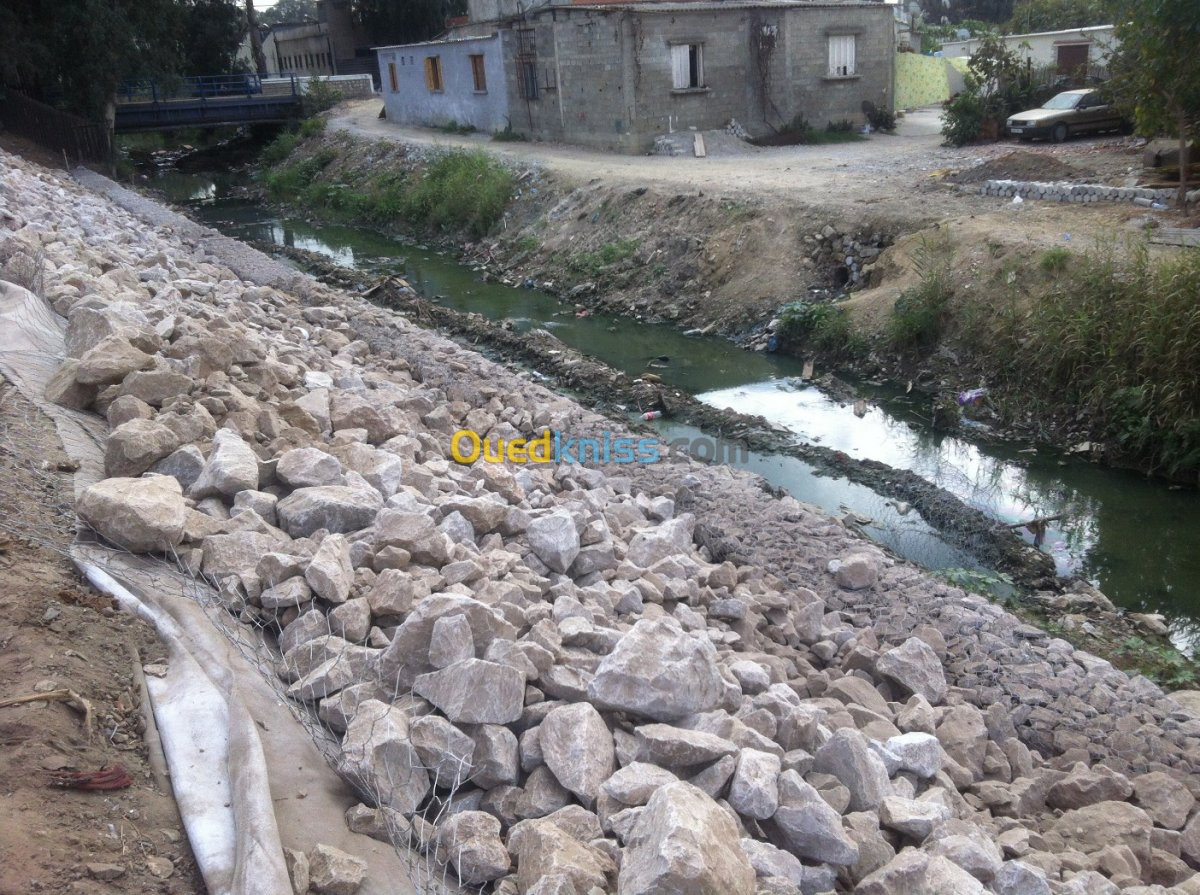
point(841, 55)
point(681, 68)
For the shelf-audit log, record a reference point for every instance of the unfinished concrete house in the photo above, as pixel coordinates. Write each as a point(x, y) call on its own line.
point(616, 75)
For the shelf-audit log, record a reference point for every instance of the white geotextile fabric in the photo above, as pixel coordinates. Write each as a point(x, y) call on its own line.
point(216, 760)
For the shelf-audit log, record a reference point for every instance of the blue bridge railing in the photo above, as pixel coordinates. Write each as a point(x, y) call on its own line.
point(207, 87)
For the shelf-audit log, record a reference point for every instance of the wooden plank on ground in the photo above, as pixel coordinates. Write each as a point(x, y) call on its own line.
point(698, 145)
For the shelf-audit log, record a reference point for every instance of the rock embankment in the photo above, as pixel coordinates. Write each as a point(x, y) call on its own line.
point(565, 679)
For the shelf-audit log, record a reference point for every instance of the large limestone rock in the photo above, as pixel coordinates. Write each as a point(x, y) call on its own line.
point(1087, 786)
point(408, 654)
point(554, 540)
point(135, 446)
point(578, 749)
point(237, 553)
point(156, 386)
point(1165, 798)
point(754, 789)
point(333, 872)
point(809, 826)
point(378, 756)
point(549, 856)
point(111, 360)
point(1095, 827)
point(445, 750)
point(330, 574)
point(658, 671)
point(677, 747)
point(920, 753)
point(413, 532)
point(915, 667)
point(963, 734)
point(470, 842)
point(308, 468)
point(142, 515)
point(475, 691)
point(336, 508)
point(232, 467)
point(847, 756)
point(684, 844)
point(672, 538)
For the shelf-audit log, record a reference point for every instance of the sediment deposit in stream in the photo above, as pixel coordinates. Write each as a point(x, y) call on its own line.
point(560, 678)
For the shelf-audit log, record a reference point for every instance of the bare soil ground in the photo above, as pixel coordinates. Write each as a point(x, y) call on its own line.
point(726, 241)
point(880, 172)
point(56, 632)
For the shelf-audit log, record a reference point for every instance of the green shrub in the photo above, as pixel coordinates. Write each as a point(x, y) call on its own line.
point(311, 127)
point(320, 96)
point(963, 120)
point(508, 135)
point(279, 149)
point(921, 314)
point(459, 190)
point(1054, 260)
point(881, 119)
point(453, 127)
point(819, 326)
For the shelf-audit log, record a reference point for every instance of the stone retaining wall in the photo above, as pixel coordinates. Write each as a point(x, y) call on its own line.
point(1080, 192)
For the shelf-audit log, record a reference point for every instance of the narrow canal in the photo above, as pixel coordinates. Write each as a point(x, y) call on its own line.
point(1135, 538)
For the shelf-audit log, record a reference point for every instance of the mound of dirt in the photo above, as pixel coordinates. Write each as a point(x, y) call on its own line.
point(1022, 165)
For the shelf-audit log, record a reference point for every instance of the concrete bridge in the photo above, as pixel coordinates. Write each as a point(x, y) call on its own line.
point(207, 101)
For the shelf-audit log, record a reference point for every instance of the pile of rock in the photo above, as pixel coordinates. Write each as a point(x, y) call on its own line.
point(538, 673)
point(848, 257)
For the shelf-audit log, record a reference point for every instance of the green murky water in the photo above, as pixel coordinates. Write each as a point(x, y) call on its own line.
point(1137, 539)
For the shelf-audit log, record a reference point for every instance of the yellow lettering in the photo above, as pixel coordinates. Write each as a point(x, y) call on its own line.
point(455, 450)
point(544, 444)
point(493, 452)
point(517, 451)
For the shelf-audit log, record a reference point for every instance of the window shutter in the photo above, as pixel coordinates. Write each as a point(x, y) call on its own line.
point(681, 66)
point(429, 73)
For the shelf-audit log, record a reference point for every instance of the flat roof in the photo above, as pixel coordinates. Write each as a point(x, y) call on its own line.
point(437, 43)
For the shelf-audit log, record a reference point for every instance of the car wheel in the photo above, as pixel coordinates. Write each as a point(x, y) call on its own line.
point(1060, 132)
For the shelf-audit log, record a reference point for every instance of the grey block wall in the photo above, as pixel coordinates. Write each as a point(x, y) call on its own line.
point(414, 103)
point(605, 76)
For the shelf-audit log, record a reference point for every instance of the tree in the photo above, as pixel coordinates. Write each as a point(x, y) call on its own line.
point(256, 50)
point(405, 21)
point(1156, 70)
point(289, 11)
point(213, 31)
point(1055, 15)
point(74, 53)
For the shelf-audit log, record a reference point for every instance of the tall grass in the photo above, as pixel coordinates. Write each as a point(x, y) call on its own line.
point(458, 190)
point(1120, 338)
point(922, 313)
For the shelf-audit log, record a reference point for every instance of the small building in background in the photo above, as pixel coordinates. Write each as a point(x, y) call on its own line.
point(615, 75)
point(1075, 53)
point(299, 48)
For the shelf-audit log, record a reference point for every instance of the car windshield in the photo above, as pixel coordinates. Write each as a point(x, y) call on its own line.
point(1063, 101)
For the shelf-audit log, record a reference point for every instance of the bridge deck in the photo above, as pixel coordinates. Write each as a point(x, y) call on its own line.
point(206, 102)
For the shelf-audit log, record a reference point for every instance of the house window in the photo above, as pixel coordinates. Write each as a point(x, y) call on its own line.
point(433, 73)
point(478, 73)
point(528, 75)
point(841, 56)
point(687, 66)
point(392, 79)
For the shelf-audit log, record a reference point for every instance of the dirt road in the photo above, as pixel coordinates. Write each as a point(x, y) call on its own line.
point(891, 171)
